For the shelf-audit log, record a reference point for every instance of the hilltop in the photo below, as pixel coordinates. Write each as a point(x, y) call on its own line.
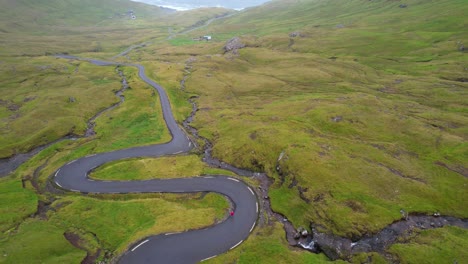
point(29, 16)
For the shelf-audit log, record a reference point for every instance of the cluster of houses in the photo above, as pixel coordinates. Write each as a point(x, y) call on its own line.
point(200, 38)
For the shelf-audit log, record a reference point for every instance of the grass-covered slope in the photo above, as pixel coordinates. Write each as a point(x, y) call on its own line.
point(36, 88)
point(51, 26)
point(29, 15)
point(43, 98)
point(367, 103)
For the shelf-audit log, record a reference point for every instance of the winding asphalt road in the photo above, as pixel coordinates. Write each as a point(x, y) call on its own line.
point(188, 247)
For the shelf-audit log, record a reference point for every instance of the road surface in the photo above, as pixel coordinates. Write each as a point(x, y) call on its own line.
point(188, 247)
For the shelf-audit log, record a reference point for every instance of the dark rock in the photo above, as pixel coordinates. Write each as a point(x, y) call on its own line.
point(293, 183)
point(297, 235)
point(301, 194)
point(71, 99)
point(233, 45)
point(296, 34)
point(332, 246)
point(403, 6)
point(28, 99)
point(319, 197)
point(404, 214)
point(13, 107)
point(337, 119)
point(361, 247)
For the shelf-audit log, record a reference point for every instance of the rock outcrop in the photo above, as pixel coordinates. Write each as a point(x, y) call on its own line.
point(234, 45)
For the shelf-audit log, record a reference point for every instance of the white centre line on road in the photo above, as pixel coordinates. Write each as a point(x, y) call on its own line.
point(250, 189)
point(178, 152)
point(209, 258)
point(71, 162)
point(209, 177)
point(236, 245)
point(140, 244)
point(57, 172)
point(92, 155)
point(58, 185)
point(232, 179)
point(257, 207)
point(190, 144)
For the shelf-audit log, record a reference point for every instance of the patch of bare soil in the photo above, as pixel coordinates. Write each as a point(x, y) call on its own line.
point(455, 168)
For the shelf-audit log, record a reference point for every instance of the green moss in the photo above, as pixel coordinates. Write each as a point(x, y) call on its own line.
point(440, 245)
point(39, 240)
point(17, 204)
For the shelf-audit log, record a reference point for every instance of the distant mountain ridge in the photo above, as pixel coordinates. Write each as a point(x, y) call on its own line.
point(23, 14)
point(192, 4)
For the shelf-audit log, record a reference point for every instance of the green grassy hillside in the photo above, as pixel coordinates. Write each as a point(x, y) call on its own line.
point(29, 15)
point(49, 26)
point(366, 100)
point(36, 88)
point(43, 98)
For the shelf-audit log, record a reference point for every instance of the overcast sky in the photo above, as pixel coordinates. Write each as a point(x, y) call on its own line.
point(190, 4)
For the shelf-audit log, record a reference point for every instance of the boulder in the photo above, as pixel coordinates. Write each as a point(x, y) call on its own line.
point(296, 34)
point(297, 235)
point(337, 119)
point(332, 246)
point(233, 45)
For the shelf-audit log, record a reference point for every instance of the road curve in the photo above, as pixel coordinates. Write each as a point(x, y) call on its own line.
point(188, 247)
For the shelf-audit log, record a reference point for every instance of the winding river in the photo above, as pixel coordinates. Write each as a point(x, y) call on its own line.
point(187, 247)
